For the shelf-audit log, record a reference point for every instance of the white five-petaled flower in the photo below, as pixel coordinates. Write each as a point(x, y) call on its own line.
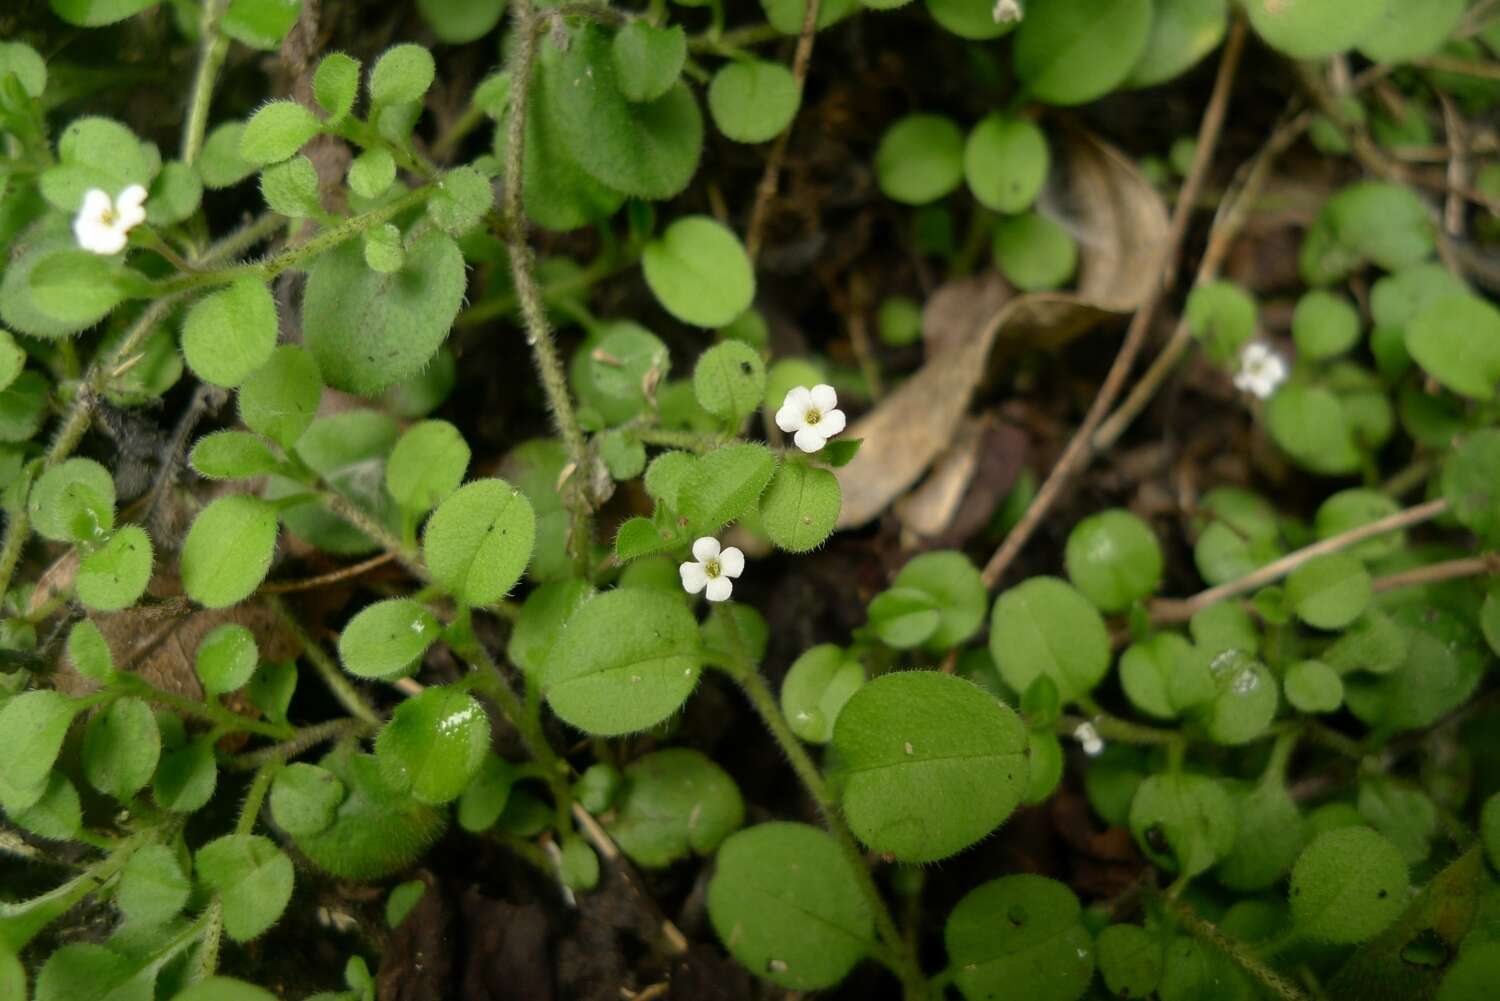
point(103, 224)
point(712, 569)
point(1262, 370)
point(1007, 11)
point(809, 415)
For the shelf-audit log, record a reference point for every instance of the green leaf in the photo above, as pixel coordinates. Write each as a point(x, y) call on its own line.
point(220, 164)
point(12, 359)
point(1348, 886)
point(617, 370)
point(227, 657)
point(372, 173)
point(23, 407)
point(648, 150)
point(800, 507)
point(1034, 252)
point(1308, 422)
point(787, 16)
point(1269, 834)
point(1072, 54)
point(1324, 325)
point(231, 333)
point(57, 815)
point(121, 746)
point(401, 75)
point(1045, 626)
point(1006, 162)
point(253, 879)
point(291, 188)
point(1244, 699)
point(261, 24)
point(217, 988)
point(786, 904)
point(26, 64)
point(1353, 508)
point(280, 398)
point(233, 455)
point(74, 501)
point(674, 803)
point(386, 639)
point(920, 159)
point(228, 550)
point(77, 288)
point(1456, 340)
point(32, 728)
point(1470, 483)
point(1375, 221)
point(384, 251)
point(624, 662)
point(403, 898)
point(1130, 960)
point(1405, 815)
point(369, 330)
point(904, 617)
point(723, 484)
point(153, 886)
point(482, 803)
point(461, 198)
point(478, 541)
point(1146, 668)
point(648, 59)
point(1183, 822)
point(83, 971)
point(1330, 591)
point(1313, 687)
point(973, 19)
point(97, 152)
point(434, 744)
point(546, 610)
point(89, 652)
point(754, 100)
point(377, 831)
point(336, 84)
point(115, 575)
point(427, 464)
point(930, 764)
point(186, 777)
point(622, 453)
point(174, 195)
point(558, 192)
point(304, 798)
point(276, 131)
point(1020, 936)
point(730, 381)
point(957, 592)
point(899, 322)
point(1475, 971)
point(1114, 558)
point(1182, 33)
point(1314, 31)
point(699, 272)
point(460, 21)
point(818, 685)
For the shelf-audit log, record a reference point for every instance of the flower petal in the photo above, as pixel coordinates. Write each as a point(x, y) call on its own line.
point(824, 398)
point(131, 198)
point(96, 203)
point(809, 439)
point(831, 424)
point(798, 398)
point(694, 577)
point(789, 418)
point(732, 562)
point(719, 589)
point(705, 549)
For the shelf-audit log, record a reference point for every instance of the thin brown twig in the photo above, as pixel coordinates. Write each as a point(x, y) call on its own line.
point(1079, 450)
point(770, 179)
point(332, 577)
point(1461, 67)
point(1437, 573)
point(1180, 610)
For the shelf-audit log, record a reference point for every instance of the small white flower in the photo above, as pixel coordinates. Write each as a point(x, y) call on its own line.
point(712, 570)
point(1262, 370)
point(103, 226)
point(1007, 11)
point(1088, 737)
point(811, 415)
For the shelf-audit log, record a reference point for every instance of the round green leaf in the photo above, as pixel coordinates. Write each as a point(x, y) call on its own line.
point(899, 322)
point(280, 398)
point(730, 381)
point(1182, 33)
point(1375, 221)
point(1314, 30)
point(1353, 508)
point(459, 21)
point(1035, 253)
point(973, 19)
point(1114, 558)
point(1045, 626)
point(1067, 53)
point(228, 550)
point(1269, 833)
point(220, 164)
point(401, 75)
point(276, 131)
point(253, 879)
point(920, 159)
point(219, 988)
point(233, 455)
point(722, 485)
point(1348, 886)
point(1456, 340)
point(786, 904)
point(1471, 483)
point(1313, 687)
point(624, 662)
point(1324, 325)
point(115, 575)
point(1245, 698)
point(1473, 975)
point(83, 971)
point(89, 652)
point(376, 831)
point(427, 464)
point(957, 590)
point(1489, 828)
point(23, 406)
point(187, 776)
point(73, 501)
point(434, 744)
point(1006, 162)
point(27, 64)
point(648, 59)
point(1020, 936)
point(1130, 960)
point(613, 370)
point(754, 100)
point(800, 507)
point(369, 330)
point(817, 686)
point(1147, 667)
point(675, 803)
point(1309, 423)
point(904, 617)
point(1183, 822)
point(542, 617)
point(386, 639)
point(226, 658)
point(699, 272)
point(347, 450)
point(304, 798)
point(153, 886)
point(558, 192)
point(32, 728)
point(1330, 591)
point(482, 803)
point(478, 541)
point(931, 764)
point(336, 84)
point(121, 746)
point(57, 815)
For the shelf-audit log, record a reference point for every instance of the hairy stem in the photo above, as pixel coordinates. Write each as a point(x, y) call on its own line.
point(1209, 934)
point(255, 797)
point(347, 695)
point(307, 738)
point(214, 47)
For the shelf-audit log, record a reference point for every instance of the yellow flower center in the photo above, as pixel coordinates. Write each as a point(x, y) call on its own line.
point(711, 568)
point(813, 416)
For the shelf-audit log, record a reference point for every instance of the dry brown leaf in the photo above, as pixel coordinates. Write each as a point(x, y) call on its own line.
point(967, 481)
point(969, 325)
